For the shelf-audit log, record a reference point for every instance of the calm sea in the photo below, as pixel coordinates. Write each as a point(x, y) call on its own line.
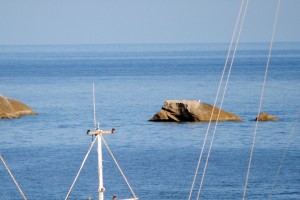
point(45, 151)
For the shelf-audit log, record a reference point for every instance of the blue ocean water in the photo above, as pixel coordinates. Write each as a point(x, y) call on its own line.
point(132, 81)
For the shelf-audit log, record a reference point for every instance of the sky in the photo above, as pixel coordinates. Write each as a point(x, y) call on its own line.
point(143, 21)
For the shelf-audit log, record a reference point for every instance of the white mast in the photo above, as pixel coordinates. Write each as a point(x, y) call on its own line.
point(100, 168)
point(99, 150)
point(98, 134)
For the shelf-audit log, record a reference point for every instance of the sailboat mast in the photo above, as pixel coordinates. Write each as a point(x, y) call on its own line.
point(98, 134)
point(99, 150)
point(100, 168)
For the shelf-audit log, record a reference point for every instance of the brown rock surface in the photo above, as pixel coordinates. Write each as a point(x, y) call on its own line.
point(265, 117)
point(12, 108)
point(192, 111)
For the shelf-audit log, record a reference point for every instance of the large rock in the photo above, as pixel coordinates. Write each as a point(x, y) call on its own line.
point(191, 111)
point(265, 117)
point(12, 108)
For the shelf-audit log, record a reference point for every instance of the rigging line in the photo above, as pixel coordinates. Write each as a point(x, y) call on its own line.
point(216, 98)
point(13, 178)
point(223, 97)
point(113, 157)
point(80, 169)
point(283, 157)
point(94, 103)
point(261, 97)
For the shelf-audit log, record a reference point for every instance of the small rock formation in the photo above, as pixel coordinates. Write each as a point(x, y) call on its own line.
point(12, 108)
point(191, 111)
point(265, 117)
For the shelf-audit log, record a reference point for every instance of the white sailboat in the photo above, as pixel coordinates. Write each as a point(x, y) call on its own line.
point(98, 133)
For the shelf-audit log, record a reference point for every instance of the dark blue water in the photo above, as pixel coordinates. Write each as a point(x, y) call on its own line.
point(132, 81)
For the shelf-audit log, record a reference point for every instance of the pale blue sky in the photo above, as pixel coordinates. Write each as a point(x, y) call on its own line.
point(142, 21)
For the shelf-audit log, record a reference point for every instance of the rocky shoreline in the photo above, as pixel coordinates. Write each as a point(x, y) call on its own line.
point(196, 111)
point(12, 108)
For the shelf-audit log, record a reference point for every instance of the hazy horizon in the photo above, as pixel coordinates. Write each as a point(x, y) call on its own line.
point(34, 22)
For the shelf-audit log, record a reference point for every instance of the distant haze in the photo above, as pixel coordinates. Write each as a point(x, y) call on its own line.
point(143, 21)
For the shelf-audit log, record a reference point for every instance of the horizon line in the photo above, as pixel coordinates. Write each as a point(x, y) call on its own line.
point(138, 43)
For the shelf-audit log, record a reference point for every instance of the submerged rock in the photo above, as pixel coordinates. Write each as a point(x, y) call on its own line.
point(191, 111)
point(12, 108)
point(265, 117)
